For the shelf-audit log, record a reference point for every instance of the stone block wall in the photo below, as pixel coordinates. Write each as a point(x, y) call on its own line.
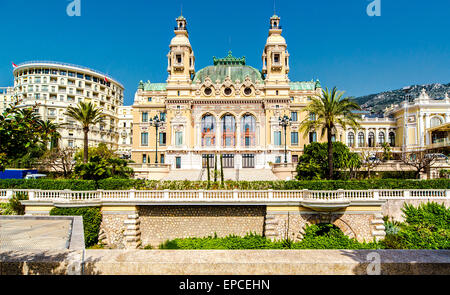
point(364, 226)
point(160, 223)
point(393, 207)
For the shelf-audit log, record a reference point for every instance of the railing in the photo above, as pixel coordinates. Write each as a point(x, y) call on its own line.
point(266, 196)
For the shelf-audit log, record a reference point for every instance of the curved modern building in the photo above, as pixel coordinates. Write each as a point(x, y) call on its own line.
point(54, 86)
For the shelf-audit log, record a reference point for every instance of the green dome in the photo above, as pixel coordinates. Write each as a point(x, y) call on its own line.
point(230, 66)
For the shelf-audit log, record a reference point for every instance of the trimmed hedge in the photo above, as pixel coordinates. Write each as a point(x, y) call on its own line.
point(92, 218)
point(139, 184)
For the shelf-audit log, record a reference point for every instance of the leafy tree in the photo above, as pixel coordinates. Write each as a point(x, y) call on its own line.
point(313, 163)
point(326, 113)
point(86, 114)
point(21, 136)
point(100, 150)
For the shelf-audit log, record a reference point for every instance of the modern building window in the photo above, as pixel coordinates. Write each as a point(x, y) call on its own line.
point(178, 138)
point(278, 159)
point(294, 138)
point(391, 138)
point(294, 158)
point(312, 117)
point(248, 130)
point(70, 143)
point(277, 138)
point(248, 161)
point(228, 130)
point(178, 162)
point(162, 116)
point(360, 139)
point(162, 138)
point(144, 138)
point(294, 116)
point(208, 130)
point(162, 159)
point(351, 139)
point(149, 99)
point(312, 137)
point(144, 117)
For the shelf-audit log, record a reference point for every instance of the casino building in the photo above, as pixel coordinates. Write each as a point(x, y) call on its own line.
point(232, 109)
point(228, 108)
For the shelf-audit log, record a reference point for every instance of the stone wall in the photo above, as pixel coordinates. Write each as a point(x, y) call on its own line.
point(289, 222)
point(393, 208)
point(160, 223)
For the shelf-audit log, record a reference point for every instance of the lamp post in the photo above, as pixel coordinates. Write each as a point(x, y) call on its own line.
point(156, 122)
point(284, 122)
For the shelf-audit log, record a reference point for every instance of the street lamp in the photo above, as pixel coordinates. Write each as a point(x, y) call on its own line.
point(284, 122)
point(156, 122)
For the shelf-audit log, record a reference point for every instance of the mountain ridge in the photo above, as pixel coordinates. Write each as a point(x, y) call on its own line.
point(377, 102)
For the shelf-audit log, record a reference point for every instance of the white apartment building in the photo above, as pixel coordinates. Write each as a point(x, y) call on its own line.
point(54, 86)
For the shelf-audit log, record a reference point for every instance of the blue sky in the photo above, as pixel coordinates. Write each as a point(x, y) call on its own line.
point(333, 40)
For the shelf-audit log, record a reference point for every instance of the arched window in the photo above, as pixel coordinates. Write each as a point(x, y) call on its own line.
point(361, 139)
point(208, 130)
point(228, 130)
point(248, 130)
point(371, 139)
point(381, 138)
point(436, 121)
point(351, 139)
point(391, 138)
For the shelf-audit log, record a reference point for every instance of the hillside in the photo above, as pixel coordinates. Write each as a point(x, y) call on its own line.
point(378, 102)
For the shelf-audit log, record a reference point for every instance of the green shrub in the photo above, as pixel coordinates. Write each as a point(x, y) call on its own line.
point(425, 227)
point(316, 237)
point(92, 219)
point(14, 206)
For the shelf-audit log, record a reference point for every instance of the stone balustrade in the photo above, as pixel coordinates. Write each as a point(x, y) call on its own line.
point(266, 196)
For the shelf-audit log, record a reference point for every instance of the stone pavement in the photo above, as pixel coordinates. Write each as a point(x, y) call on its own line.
point(34, 234)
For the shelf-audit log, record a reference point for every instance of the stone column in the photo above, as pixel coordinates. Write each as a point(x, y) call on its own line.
point(120, 227)
point(427, 125)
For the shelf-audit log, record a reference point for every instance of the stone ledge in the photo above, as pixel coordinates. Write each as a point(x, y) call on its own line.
point(224, 262)
point(264, 262)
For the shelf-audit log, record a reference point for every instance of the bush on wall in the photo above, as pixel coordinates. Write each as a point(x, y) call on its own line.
point(92, 218)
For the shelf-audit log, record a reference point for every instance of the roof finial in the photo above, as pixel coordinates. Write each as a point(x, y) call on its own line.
point(181, 8)
point(274, 7)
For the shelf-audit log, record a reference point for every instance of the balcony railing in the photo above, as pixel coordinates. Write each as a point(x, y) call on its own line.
point(256, 196)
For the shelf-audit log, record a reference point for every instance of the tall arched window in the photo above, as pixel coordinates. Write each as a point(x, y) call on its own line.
point(228, 130)
point(248, 130)
point(436, 121)
point(208, 130)
point(391, 138)
point(361, 139)
point(371, 139)
point(381, 137)
point(351, 139)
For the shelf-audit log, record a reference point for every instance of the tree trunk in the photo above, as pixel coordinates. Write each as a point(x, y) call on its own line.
point(86, 146)
point(330, 154)
point(221, 168)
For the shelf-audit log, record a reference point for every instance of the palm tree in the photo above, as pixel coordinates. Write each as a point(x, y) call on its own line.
point(328, 111)
point(50, 130)
point(86, 114)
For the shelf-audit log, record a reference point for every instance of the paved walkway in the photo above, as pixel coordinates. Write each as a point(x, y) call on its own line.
point(34, 234)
